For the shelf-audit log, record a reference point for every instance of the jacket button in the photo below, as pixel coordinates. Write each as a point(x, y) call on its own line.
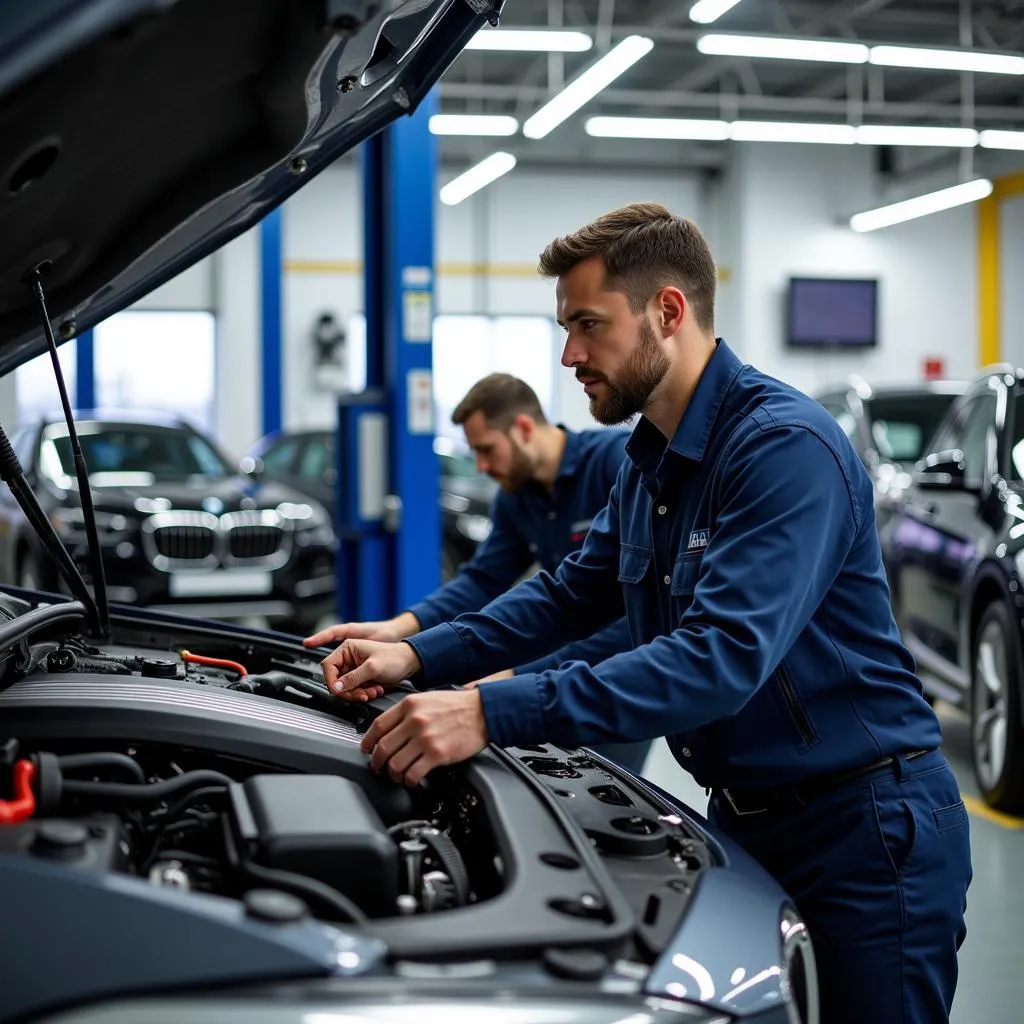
point(685, 751)
point(552, 515)
point(668, 580)
point(662, 510)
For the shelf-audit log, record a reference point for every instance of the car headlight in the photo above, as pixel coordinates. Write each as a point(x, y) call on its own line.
point(476, 528)
point(70, 524)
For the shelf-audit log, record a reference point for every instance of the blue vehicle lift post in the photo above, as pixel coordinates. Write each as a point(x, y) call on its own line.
point(388, 516)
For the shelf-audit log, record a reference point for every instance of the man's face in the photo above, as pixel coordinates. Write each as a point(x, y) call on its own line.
point(616, 354)
point(498, 454)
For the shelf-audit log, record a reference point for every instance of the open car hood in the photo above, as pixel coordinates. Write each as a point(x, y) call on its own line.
point(138, 136)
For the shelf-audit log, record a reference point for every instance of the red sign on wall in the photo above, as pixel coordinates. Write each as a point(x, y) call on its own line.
point(934, 368)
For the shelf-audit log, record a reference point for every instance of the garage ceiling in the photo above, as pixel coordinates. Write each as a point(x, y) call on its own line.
point(676, 80)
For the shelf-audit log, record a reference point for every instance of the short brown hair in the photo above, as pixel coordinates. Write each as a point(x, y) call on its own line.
point(501, 398)
point(645, 247)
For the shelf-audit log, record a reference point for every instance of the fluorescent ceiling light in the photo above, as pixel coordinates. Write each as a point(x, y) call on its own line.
point(707, 11)
point(473, 124)
point(656, 128)
point(586, 86)
point(947, 60)
point(920, 206)
point(991, 139)
point(915, 135)
point(783, 49)
point(797, 131)
point(477, 177)
point(530, 40)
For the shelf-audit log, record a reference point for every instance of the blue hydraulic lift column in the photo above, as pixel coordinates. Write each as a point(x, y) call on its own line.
point(399, 562)
point(271, 378)
point(85, 371)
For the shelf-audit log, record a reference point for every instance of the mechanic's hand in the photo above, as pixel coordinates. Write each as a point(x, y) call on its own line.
point(362, 669)
point(386, 630)
point(426, 730)
point(504, 674)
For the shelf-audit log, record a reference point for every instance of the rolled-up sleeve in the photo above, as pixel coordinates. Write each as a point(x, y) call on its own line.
point(787, 518)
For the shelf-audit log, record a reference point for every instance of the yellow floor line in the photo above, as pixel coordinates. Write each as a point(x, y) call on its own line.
point(982, 810)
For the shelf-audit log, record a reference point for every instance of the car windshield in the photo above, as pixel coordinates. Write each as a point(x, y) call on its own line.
point(132, 454)
point(902, 425)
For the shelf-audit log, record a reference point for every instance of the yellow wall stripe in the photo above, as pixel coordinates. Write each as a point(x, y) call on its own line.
point(989, 267)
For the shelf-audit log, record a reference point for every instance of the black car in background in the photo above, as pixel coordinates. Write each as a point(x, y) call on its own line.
point(180, 527)
point(304, 459)
point(954, 551)
point(890, 426)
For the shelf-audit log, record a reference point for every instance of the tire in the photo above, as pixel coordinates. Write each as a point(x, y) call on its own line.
point(997, 736)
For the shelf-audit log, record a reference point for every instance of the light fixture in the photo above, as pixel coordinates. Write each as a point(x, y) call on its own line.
point(707, 11)
point(921, 206)
point(915, 135)
point(477, 177)
point(783, 49)
point(530, 40)
point(795, 131)
point(992, 139)
point(656, 128)
point(947, 60)
point(473, 124)
point(586, 86)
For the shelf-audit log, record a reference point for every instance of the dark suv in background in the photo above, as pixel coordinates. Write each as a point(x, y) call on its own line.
point(304, 459)
point(954, 551)
point(180, 527)
point(890, 427)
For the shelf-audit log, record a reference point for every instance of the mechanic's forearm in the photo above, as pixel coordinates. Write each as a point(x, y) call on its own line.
point(605, 643)
point(406, 625)
point(535, 618)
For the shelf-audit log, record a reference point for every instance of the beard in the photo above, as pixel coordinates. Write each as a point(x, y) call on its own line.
point(628, 394)
point(519, 473)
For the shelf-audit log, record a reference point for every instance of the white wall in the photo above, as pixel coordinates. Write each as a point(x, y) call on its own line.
point(794, 202)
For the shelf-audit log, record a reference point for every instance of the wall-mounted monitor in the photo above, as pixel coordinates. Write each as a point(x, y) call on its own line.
point(831, 313)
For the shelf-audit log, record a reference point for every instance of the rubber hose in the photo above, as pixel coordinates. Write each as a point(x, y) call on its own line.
point(309, 889)
point(71, 762)
point(151, 793)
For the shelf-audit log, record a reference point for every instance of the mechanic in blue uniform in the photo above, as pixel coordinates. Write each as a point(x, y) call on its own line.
point(740, 541)
point(553, 482)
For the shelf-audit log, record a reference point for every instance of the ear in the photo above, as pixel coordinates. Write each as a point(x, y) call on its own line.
point(670, 309)
point(526, 426)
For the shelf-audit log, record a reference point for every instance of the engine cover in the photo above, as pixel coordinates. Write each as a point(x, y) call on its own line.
point(131, 709)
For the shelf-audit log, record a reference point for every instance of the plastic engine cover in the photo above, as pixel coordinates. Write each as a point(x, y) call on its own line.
point(321, 826)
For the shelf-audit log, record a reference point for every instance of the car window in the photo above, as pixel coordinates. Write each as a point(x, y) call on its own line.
point(839, 409)
point(281, 458)
point(159, 453)
point(981, 416)
point(1017, 441)
point(316, 457)
point(902, 425)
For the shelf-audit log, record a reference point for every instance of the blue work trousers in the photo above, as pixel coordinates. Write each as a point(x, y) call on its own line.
point(879, 869)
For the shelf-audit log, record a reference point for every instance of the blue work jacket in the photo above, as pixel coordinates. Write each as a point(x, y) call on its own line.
point(745, 555)
point(535, 525)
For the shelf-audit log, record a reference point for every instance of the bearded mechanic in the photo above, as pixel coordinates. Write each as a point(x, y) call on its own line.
point(740, 542)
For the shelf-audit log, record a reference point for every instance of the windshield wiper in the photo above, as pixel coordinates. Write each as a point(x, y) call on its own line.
point(11, 471)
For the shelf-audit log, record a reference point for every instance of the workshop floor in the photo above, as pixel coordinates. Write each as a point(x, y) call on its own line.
point(991, 987)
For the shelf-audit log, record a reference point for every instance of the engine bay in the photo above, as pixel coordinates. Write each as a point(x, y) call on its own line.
point(225, 770)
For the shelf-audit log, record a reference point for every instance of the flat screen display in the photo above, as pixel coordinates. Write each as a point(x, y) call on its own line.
point(832, 313)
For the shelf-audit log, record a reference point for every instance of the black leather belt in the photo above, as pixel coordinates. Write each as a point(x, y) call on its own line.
point(797, 795)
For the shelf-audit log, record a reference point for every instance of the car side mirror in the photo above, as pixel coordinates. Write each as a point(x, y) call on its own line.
point(251, 466)
point(941, 471)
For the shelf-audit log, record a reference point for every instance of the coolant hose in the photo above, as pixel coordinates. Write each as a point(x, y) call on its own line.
point(71, 762)
point(129, 793)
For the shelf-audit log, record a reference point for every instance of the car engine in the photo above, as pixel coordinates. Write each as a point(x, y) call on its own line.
point(232, 772)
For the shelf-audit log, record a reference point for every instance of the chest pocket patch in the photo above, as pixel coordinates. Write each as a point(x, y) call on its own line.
point(633, 563)
point(685, 574)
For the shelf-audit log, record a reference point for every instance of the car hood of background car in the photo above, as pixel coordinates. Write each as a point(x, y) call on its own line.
point(216, 496)
point(141, 135)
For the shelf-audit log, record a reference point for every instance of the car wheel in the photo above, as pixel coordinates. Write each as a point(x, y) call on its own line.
point(997, 738)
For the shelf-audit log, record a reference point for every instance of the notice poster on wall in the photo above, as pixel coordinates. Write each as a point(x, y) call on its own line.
point(420, 401)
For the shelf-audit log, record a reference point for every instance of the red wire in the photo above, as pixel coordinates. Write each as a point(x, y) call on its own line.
point(202, 659)
point(24, 803)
